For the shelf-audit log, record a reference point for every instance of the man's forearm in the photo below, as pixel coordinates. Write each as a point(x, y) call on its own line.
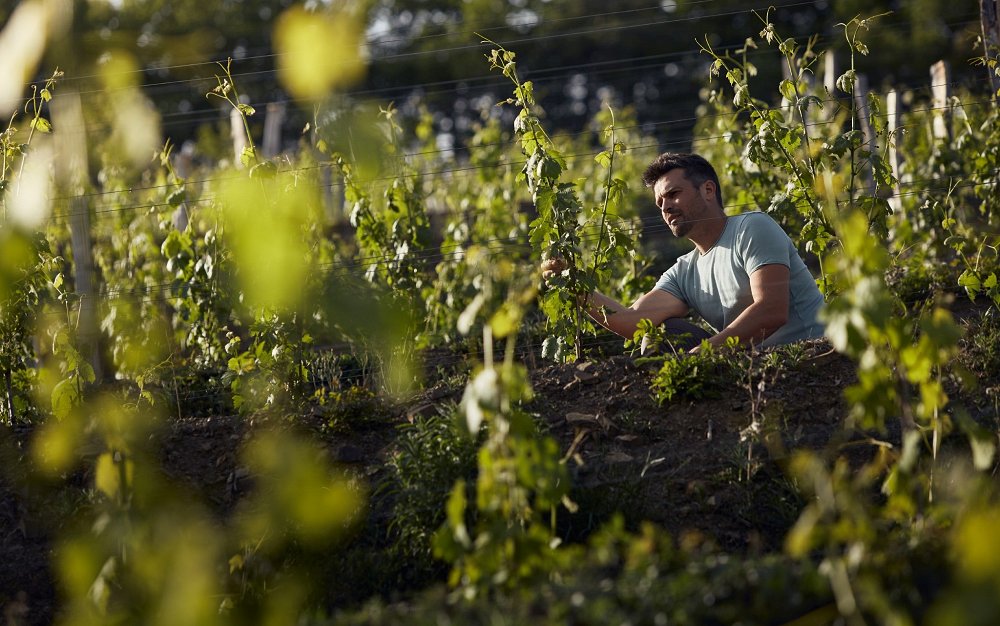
point(755, 324)
point(614, 316)
point(603, 309)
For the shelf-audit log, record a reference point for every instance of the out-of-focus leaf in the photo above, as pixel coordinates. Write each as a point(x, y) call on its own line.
point(317, 52)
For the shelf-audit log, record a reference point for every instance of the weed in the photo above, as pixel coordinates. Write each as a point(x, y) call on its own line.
point(433, 452)
point(351, 409)
point(981, 343)
point(693, 376)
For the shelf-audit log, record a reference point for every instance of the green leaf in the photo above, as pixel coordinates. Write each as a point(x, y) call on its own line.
point(248, 156)
point(505, 321)
point(911, 451)
point(175, 197)
point(41, 124)
point(787, 90)
point(549, 348)
point(86, 372)
point(846, 81)
point(106, 476)
point(982, 440)
point(65, 396)
point(544, 200)
point(455, 511)
point(971, 283)
point(246, 109)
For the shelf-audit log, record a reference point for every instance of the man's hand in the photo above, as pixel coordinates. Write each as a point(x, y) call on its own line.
point(552, 267)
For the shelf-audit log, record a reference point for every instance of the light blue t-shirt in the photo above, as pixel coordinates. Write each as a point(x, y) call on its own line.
point(716, 285)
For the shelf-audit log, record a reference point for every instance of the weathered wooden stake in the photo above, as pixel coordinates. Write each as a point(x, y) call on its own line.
point(272, 128)
point(863, 111)
point(239, 135)
point(893, 136)
point(88, 333)
point(73, 169)
point(941, 89)
point(830, 72)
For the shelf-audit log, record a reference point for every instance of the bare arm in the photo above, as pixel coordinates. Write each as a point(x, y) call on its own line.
point(767, 313)
point(656, 306)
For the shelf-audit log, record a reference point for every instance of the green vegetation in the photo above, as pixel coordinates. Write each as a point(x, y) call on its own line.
point(299, 304)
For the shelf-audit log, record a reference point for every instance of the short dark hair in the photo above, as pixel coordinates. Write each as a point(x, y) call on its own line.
point(696, 169)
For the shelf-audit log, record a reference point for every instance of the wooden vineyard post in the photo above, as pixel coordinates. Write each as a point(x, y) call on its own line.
point(863, 112)
point(333, 186)
point(830, 72)
point(941, 90)
point(272, 129)
point(239, 136)
point(72, 169)
point(892, 138)
point(989, 12)
point(88, 333)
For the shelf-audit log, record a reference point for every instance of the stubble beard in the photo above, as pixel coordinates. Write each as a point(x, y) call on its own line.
point(681, 228)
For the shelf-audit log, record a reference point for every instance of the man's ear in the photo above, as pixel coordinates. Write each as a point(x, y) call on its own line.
point(708, 189)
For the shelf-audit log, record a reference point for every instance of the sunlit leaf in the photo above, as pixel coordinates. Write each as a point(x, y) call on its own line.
point(41, 124)
point(266, 219)
point(22, 44)
point(65, 396)
point(317, 52)
point(505, 321)
point(108, 474)
point(978, 544)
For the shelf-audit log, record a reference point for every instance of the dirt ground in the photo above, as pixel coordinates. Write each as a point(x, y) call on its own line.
point(706, 470)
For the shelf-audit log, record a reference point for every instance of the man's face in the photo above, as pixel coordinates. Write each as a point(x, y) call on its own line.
point(681, 204)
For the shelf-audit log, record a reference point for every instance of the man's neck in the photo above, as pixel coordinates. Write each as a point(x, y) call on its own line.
point(708, 232)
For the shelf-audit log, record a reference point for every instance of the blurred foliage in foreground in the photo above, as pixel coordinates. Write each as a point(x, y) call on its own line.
point(124, 278)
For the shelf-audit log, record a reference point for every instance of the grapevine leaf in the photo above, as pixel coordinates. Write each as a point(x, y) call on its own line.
point(247, 156)
point(504, 321)
point(982, 441)
point(86, 372)
point(106, 477)
point(176, 197)
point(971, 283)
point(549, 348)
point(65, 395)
point(787, 90)
point(42, 125)
point(846, 81)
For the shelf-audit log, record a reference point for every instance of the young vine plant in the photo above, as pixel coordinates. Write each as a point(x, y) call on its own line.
point(562, 217)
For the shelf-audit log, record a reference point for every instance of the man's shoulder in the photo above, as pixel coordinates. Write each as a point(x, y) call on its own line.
point(758, 224)
point(753, 218)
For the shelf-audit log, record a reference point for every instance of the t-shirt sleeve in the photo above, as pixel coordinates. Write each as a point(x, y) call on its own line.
point(670, 281)
point(762, 242)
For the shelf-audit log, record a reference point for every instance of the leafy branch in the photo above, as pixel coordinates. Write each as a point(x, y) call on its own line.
point(225, 89)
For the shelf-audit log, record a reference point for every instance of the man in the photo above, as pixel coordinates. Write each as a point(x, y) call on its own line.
point(744, 276)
